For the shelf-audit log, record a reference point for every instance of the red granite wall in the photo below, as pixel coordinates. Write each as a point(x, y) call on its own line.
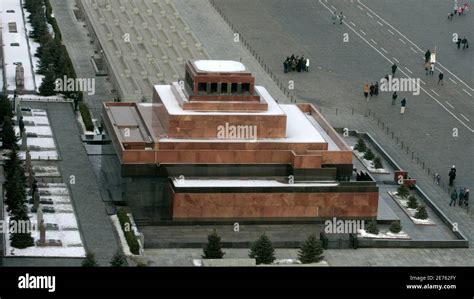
point(189, 206)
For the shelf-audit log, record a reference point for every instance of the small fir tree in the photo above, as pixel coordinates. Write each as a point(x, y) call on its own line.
point(48, 86)
point(421, 213)
point(89, 261)
point(412, 203)
point(372, 228)
point(262, 251)
point(395, 227)
point(311, 251)
point(378, 163)
point(21, 239)
point(9, 138)
point(369, 155)
point(403, 191)
point(5, 108)
point(360, 145)
point(118, 260)
point(213, 249)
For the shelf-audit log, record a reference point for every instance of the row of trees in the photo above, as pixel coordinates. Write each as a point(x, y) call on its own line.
point(421, 212)
point(54, 59)
point(263, 252)
point(118, 260)
point(369, 155)
point(15, 179)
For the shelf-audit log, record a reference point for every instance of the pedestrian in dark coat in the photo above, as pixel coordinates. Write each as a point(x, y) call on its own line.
point(372, 89)
point(394, 97)
point(403, 106)
point(427, 56)
point(459, 42)
point(394, 69)
point(464, 43)
point(376, 88)
point(454, 196)
point(440, 78)
point(466, 199)
point(452, 176)
point(461, 196)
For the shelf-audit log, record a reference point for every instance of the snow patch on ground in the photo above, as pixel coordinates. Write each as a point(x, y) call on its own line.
point(123, 242)
point(367, 163)
point(383, 235)
point(42, 146)
point(403, 203)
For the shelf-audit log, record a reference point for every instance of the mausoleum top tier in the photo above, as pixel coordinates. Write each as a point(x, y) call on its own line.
point(221, 81)
point(219, 66)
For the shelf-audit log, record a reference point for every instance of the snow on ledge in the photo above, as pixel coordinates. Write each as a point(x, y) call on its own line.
point(387, 235)
point(369, 164)
point(192, 183)
point(224, 66)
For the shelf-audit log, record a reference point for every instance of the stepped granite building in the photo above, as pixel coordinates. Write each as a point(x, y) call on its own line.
point(215, 147)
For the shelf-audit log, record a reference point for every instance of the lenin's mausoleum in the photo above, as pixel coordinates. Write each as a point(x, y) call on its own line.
point(215, 147)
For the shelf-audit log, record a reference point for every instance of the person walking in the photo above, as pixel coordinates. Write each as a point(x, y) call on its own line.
point(403, 106)
point(427, 67)
point(334, 18)
point(432, 69)
point(465, 44)
point(466, 199)
point(341, 17)
point(307, 64)
point(452, 175)
point(372, 89)
point(437, 178)
point(427, 55)
point(454, 196)
point(366, 90)
point(394, 69)
point(459, 42)
point(461, 196)
point(285, 65)
point(376, 88)
point(440, 78)
point(394, 97)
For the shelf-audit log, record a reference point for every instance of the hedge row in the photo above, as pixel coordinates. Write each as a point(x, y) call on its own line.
point(51, 20)
point(86, 116)
point(128, 231)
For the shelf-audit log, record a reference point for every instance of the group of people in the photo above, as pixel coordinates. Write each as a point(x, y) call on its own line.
point(300, 64)
point(335, 17)
point(464, 42)
point(430, 67)
point(462, 197)
point(458, 10)
point(372, 89)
